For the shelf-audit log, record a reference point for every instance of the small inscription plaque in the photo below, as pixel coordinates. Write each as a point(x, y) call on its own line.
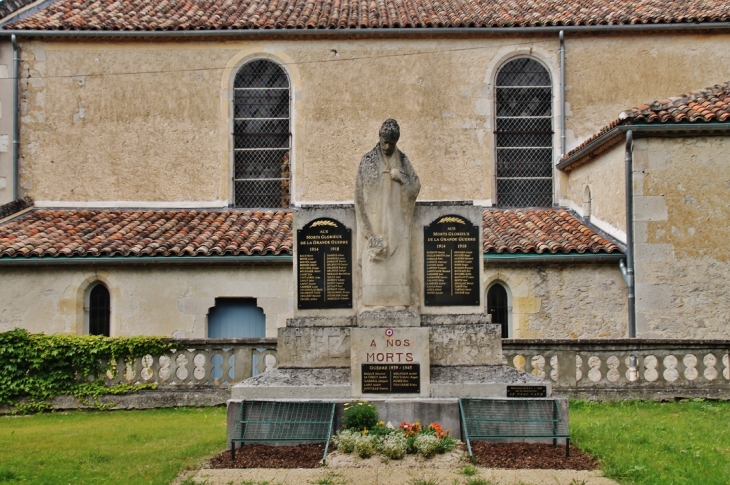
point(324, 265)
point(451, 262)
point(391, 378)
point(526, 391)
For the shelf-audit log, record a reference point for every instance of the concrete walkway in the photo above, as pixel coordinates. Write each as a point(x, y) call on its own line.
point(397, 476)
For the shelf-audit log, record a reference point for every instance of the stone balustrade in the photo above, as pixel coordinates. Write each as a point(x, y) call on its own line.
point(582, 368)
point(217, 363)
point(603, 368)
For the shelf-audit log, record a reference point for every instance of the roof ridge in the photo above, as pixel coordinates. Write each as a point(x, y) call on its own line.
point(213, 15)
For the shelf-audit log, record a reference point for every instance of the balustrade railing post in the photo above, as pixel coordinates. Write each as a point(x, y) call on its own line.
point(242, 364)
point(566, 369)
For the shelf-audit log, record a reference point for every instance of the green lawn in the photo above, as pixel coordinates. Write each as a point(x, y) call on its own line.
point(636, 443)
point(656, 443)
point(108, 447)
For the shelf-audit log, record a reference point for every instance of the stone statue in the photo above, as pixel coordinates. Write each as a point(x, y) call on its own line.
point(385, 196)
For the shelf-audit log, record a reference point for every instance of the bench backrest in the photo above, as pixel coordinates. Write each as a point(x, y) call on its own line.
point(283, 421)
point(512, 418)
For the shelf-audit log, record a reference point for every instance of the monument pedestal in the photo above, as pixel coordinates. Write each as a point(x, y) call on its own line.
point(412, 362)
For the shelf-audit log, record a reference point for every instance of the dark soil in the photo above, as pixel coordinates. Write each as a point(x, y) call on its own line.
point(530, 455)
point(489, 455)
point(265, 456)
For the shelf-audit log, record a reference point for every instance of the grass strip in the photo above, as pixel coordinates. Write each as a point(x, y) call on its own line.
point(646, 442)
point(102, 447)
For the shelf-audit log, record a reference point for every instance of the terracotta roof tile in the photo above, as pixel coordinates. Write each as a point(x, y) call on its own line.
point(540, 231)
point(46, 233)
point(710, 105)
point(358, 14)
point(83, 233)
point(15, 206)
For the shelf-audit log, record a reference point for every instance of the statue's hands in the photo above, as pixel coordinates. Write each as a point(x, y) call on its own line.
point(376, 248)
point(395, 175)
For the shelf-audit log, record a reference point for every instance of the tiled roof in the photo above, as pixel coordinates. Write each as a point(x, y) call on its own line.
point(10, 6)
point(15, 206)
point(710, 105)
point(71, 233)
point(354, 14)
point(542, 231)
point(88, 233)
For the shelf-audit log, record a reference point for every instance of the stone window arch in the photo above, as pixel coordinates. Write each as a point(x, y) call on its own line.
point(98, 310)
point(261, 136)
point(524, 134)
point(498, 306)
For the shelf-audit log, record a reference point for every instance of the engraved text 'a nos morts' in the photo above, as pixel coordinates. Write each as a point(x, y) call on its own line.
point(451, 262)
point(324, 265)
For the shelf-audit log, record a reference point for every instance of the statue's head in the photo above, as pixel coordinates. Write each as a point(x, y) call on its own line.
point(389, 135)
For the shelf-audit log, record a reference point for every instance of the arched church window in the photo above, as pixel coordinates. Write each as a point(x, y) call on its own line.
point(524, 135)
point(498, 307)
point(261, 136)
point(99, 310)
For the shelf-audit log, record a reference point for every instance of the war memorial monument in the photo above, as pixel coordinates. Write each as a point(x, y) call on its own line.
point(389, 304)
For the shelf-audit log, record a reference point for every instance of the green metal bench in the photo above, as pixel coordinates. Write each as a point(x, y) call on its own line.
point(283, 422)
point(486, 419)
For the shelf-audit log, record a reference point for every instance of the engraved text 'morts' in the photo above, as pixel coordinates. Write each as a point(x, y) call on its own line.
point(324, 265)
point(451, 262)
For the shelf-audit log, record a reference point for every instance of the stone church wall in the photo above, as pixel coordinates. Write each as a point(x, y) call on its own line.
point(148, 123)
point(597, 190)
point(547, 301)
point(563, 300)
point(169, 301)
point(681, 188)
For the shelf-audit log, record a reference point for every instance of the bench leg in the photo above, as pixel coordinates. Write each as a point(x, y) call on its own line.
point(233, 450)
point(555, 442)
point(567, 447)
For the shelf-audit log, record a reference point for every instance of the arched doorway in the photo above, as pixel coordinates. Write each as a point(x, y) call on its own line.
point(498, 307)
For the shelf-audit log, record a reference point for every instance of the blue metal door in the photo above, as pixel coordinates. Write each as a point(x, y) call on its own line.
point(236, 318)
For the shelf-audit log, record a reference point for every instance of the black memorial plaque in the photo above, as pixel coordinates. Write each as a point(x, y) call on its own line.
point(451, 262)
point(391, 378)
point(526, 391)
point(324, 265)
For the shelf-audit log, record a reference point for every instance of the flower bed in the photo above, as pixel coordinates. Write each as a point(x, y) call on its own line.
point(364, 435)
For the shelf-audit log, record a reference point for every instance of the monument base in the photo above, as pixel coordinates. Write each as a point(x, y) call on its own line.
point(335, 383)
point(444, 411)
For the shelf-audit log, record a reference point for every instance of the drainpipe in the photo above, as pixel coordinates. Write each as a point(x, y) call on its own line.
point(627, 269)
point(16, 124)
point(562, 95)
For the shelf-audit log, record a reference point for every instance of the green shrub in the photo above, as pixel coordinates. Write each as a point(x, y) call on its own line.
point(39, 367)
point(360, 415)
point(345, 440)
point(427, 445)
point(365, 446)
point(393, 446)
point(446, 444)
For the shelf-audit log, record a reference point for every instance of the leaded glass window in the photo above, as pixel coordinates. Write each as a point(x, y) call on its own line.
point(261, 136)
point(524, 135)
